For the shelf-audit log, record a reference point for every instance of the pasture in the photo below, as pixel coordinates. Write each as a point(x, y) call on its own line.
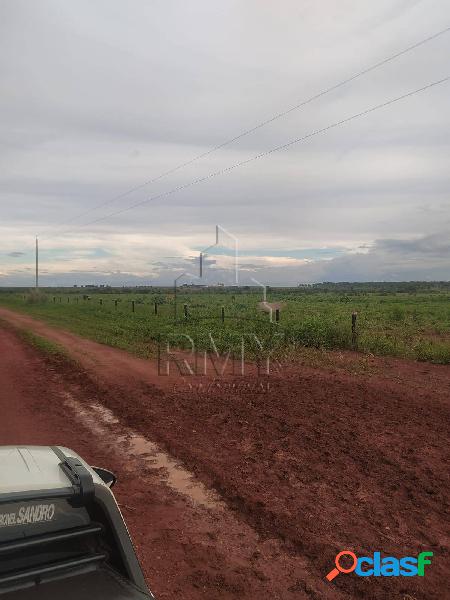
point(402, 320)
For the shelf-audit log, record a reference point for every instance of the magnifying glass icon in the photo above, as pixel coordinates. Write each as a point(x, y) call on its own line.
point(339, 568)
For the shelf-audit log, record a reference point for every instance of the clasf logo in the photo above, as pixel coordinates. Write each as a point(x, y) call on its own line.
point(388, 566)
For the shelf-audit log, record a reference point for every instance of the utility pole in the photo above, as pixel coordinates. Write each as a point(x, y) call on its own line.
point(37, 263)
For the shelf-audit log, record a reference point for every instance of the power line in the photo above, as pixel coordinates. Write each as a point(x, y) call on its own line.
point(258, 126)
point(265, 153)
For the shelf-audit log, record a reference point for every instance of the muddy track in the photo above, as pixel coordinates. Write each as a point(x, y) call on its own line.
point(288, 470)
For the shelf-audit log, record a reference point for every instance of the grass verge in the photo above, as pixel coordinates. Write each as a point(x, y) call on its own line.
point(45, 347)
point(48, 349)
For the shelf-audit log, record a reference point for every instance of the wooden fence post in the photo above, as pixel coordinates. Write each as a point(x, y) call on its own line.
point(223, 314)
point(354, 332)
point(156, 308)
point(186, 314)
point(277, 314)
point(115, 303)
point(132, 306)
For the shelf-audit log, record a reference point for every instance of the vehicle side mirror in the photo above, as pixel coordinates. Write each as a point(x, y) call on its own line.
point(106, 476)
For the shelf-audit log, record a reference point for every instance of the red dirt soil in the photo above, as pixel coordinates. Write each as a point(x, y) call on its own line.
point(308, 462)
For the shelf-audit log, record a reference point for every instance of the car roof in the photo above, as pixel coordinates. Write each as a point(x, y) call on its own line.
point(27, 468)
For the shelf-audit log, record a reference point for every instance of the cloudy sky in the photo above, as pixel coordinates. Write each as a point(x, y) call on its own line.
point(98, 97)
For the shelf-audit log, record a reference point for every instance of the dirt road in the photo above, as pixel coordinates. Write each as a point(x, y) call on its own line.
point(288, 470)
point(190, 543)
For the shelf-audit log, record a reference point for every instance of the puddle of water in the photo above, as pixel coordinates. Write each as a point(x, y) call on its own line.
point(177, 477)
point(99, 420)
point(106, 415)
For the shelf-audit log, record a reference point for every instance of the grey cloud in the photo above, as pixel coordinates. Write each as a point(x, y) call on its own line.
point(100, 97)
point(437, 245)
point(427, 258)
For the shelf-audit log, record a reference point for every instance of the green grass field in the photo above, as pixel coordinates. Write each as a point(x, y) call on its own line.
point(403, 321)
